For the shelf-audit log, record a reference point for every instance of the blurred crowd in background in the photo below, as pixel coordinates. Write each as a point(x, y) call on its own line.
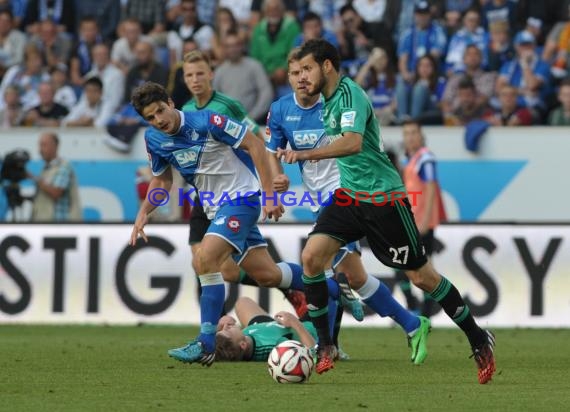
point(444, 62)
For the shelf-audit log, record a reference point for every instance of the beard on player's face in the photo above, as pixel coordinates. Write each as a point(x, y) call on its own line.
point(317, 84)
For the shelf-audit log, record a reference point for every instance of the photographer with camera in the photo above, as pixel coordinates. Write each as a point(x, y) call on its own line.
point(57, 196)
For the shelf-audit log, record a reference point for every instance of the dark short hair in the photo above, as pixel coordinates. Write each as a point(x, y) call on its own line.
point(146, 94)
point(412, 121)
point(94, 81)
point(310, 16)
point(321, 50)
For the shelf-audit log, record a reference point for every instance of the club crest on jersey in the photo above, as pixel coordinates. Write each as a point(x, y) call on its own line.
point(187, 157)
point(233, 129)
point(347, 119)
point(332, 122)
point(234, 224)
point(217, 120)
point(306, 139)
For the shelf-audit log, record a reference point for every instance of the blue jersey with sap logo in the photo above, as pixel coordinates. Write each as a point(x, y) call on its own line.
point(205, 150)
point(303, 129)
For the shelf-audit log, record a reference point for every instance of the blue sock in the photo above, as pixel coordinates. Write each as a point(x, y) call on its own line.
point(334, 291)
point(378, 297)
point(333, 307)
point(291, 276)
point(211, 306)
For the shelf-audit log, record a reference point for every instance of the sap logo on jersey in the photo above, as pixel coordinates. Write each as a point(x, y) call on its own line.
point(187, 157)
point(305, 139)
point(347, 119)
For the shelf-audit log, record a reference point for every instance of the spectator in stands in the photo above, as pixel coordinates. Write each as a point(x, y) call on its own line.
point(503, 11)
point(150, 14)
point(54, 46)
point(470, 34)
point(422, 99)
point(57, 194)
point(329, 12)
point(16, 7)
point(509, 113)
point(61, 12)
point(89, 111)
point(123, 51)
point(112, 78)
point(146, 69)
point(529, 74)
point(312, 27)
point(500, 48)
point(241, 11)
point(561, 115)
point(426, 37)
point(26, 77)
point(547, 12)
point(557, 47)
point(12, 42)
point(64, 93)
point(271, 40)
point(12, 114)
point(258, 12)
point(469, 107)
point(355, 40)
point(177, 90)
point(377, 77)
point(225, 23)
point(450, 12)
point(106, 14)
point(191, 26)
point(244, 79)
point(484, 81)
point(380, 16)
point(80, 62)
point(48, 113)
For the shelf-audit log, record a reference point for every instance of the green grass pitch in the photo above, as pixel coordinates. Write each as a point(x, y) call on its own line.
point(93, 368)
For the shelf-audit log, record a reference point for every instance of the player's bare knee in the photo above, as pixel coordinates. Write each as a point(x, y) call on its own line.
point(313, 263)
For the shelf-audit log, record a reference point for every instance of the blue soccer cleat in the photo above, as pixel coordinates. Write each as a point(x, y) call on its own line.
point(193, 352)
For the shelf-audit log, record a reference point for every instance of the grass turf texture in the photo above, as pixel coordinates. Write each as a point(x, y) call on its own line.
point(82, 368)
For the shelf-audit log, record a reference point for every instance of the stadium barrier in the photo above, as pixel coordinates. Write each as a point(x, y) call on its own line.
point(510, 179)
point(510, 275)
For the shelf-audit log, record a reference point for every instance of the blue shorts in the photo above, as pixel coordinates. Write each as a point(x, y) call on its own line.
point(237, 225)
point(352, 247)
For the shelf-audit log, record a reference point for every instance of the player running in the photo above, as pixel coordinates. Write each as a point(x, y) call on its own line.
point(390, 229)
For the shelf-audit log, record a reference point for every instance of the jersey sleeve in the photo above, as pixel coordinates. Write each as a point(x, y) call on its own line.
point(237, 111)
point(225, 129)
point(277, 139)
point(354, 111)
point(157, 163)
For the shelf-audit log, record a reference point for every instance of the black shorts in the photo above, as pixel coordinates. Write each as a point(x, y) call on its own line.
point(391, 230)
point(260, 319)
point(428, 240)
point(199, 223)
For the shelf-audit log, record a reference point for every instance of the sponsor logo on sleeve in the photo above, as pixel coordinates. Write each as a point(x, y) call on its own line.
point(233, 129)
point(347, 119)
point(218, 120)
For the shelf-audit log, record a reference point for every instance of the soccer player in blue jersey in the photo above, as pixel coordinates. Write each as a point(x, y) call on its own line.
point(297, 119)
point(209, 151)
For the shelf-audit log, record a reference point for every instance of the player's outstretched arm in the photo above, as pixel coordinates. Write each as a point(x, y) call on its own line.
point(291, 321)
point(348, 144)
point(256, 150)
point(280, 179)
point(158, 184)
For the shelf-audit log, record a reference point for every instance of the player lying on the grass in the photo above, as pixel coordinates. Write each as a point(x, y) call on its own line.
point(297, 120)
point(261, 332)
point(219, 155)
point(389, 228)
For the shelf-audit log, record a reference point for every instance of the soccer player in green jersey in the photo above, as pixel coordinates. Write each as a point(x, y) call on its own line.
point(261, 332)
point(369, 204)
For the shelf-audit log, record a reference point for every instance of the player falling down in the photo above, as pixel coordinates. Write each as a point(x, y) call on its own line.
point(390, 229)
point(208, 149)
point(260, 333)
point(198, 76)
point(296, 119)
